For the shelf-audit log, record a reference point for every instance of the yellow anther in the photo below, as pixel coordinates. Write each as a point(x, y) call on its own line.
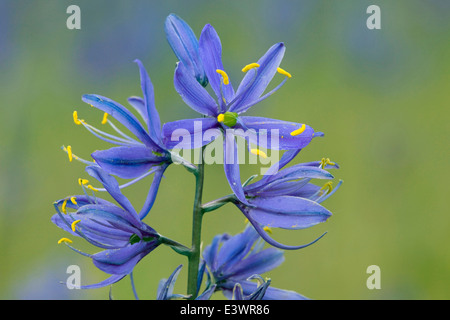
point(328, 185)
point(69, 153)
point(298, 131)
point(284, 72)
point(221, 117)
point(259, 153)
point(91, 187)
point(224, 76)
point(105, 118)
point(75, 118)
point(63, 206)
point(267, 229)
point(82, 181)
point(326, 161)
point(64, 240)
point(74, 224)
point(250, 66)
point(73, 200)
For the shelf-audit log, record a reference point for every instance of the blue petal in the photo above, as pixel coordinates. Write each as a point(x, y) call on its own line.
point(253, 85)
point(288, 212)
point(154, 123)
point(258, 263)
point(121, 114)
point(128, 162)
point(112, 186)
point(166, 289)
point(211, 54)
point(123, 260)
point(151, 196)
point(188, 133)
point(184, 44)
point(249, 287)
point(276, 134)
point(193, 93)
point(111, 280)
point(139, 104)
point(266, 237)
point(231, 166)
point(235, 249)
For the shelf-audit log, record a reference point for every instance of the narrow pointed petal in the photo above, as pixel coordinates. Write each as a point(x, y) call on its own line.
point(288, 212)
point(272, 293)
point(189, 133)
point(211, 54)
point(287, 157)
point(210, 252)
point(277, 134)
point(253, 86)
point(166, 290)
point(258, 263)
point(151, 196)
point(123, 260)
point(127, 162)
point(193, 93)
point(184, 44)
point(231, 166)
point(266, 237)
point(154, 123)
point(121, 114)
point(236, 248)
point(139, 105)
point(109, 281)
point(112, 186)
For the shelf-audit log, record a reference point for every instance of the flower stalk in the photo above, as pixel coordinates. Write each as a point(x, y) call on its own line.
point(194, 256)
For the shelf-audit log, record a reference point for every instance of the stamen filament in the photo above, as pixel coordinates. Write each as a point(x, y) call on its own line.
point(284, 72)
point(63, 206)
point(119, 141)
point(82, 181)
point(91, 187)
point(74, 224)
point(250, 66)
point(73, 200)
point(74, 156)
point(64, 240)
point(268, 229)
point(224, 75)
point(326, 161)
point(69, 153)
point(105, 118)
point(298, 131)
point(259, 153)
point(75, 118)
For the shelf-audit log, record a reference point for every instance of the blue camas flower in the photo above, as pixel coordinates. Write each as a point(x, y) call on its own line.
point(233, 261)
point(116, 229)
point(131, 158)
point(223, 111)
point(288, 199)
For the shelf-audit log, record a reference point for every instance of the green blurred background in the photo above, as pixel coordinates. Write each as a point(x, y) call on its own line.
point(380, 96)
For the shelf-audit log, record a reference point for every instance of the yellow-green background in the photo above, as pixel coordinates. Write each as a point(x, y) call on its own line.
point(380, 96)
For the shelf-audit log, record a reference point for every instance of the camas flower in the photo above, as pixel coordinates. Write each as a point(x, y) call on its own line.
point(116, 229)
point(132, 159)
point(224, 111)
point(233, 261)
point(289, 200)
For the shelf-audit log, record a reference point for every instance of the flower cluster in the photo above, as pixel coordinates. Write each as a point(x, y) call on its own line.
point(284, 197)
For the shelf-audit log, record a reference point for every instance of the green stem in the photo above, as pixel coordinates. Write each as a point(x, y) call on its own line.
point(194, 256)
